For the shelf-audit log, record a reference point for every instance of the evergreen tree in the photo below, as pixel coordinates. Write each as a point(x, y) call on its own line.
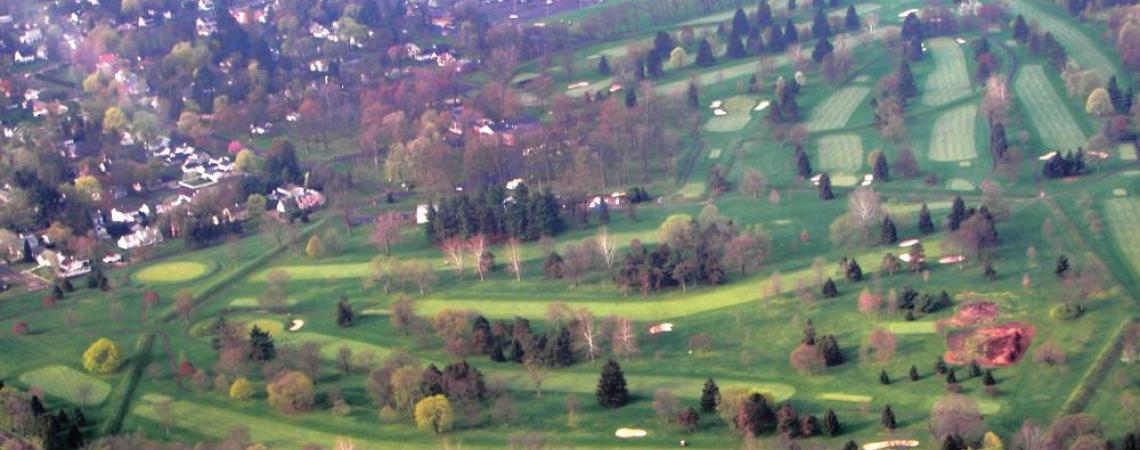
point(37, 406)
point(852, 271)
point(56, 292)
point(883, 378)
point(1020, 29)
point(925, 224)
point(940, 366)
point(1062, 268)
point(999, 146)
point(820, 27)
point(1126, 102)
point(694, 97)
point(831, 425)
point(803, 165)
point(888, 234)
point(907, 88)
point(913, 373)
point(951, 377)
point(261, 346)
point(957, 214)
point(630, 98)
point(850, 445)
point(852, 19)
point(988, 271)
point(653, 65)
point(787, 422)
point(78, 417)
point(604, 66)
point(914, 50)
point(791, 33)
point(829, 290)
point(710, 396)
point(663, 43)
point(735, 49)
point(953, 442)
point(975, 369)
point(912, 27)
point(881, 170)
point(705, 56)
point(988, 378)
point(344, 314)
point(1130, 442)
point(612, 391)
point(755, 416)
point(562, 351)
point(887, 418)
point(74, 437)
point(740, 23)
point(1115, 94)
point(809, 425)
point(753, 85)
point(553, 267)
point(825, 187)
point(829, 348)
point(822, 48)
point(27, 253)
point(763, 15)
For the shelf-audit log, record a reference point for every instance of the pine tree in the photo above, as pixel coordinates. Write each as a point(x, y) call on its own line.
point(604, 66)
point(803, 164)
point(27, 253)
point(763, 14)
point(852, 19)
point(906, 85)
point(851, 445)
point(653, 64)
point(887, 418)
point(820, 27)
point(883, 378)
point(1020, 29)
point(988, 378)
point(809, 333)
point(852, 271)
point(755, 416)
point(740, 23)
point(705, 56)
point(989, 272)
point(37, 406)
point(882, 170)
point(829, 290)
point(1115, 95)
point(951, 377)
point(975, 369)
point(663, 43)
point(999, 146)
point(829, 348)
point(694, 97)
point(809, 425)
point(787, 422)
point(888, 234)
point(344, 314)
point(913, 373)
point(914, 50)
point(735, 48)
point(822, 48)
point(57, 292)
point(791, 33)
point(912, 27)
point(831, 425)
point(953, 442)
point(957, 214)
point(1062, 266)
point(825, 187)
point(630, 98)
point(940, 365)
point(925, 224)
point(710, 396)
point(261, 346)
point(1130, 442)
point(612, 391)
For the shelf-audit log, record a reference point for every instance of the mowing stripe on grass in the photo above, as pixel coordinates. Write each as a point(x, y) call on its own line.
point(1080, 48)
point(841, 153)
point(953, 135)
point(68, 384)
point(837, 109)
point(923, 327)
point(949, 80)
point(849, 398)
point(1054, 124)
point(1123, 214)
point(729, 123)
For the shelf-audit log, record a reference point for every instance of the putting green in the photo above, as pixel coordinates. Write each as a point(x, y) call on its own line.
point(849, 398)
point(275, 328)
point(739, 104)
point(959, 184)
point(172, 272)
point(922, 327)
point(953, 135)
point(1127, 151)
point(950, 80)
point(841, 153)
point(68, 384)
point(844, 180)
point(729, 123)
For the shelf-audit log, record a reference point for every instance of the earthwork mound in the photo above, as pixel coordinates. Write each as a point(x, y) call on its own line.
point(996, 346)
point(973, 313)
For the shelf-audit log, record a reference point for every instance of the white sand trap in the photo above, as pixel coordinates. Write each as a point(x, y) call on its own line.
point(716, 104)
point(1046, 156)
point(714, 153)
point(865, 183)
point(615, 88)
point(960, 41)
point(762, 106)
point(908, 243)
point(815, 179)
point(297, 325)
point(626, 433)
point(903, 14)
point(782, 221)
point(578, 85)
point(1098, 155)
point(661, 328)
point(965, 163)
point(720, 112)
point(952, 259)
point(905, 257)
point(1120, 192)
point(869, 177)
point(890, 444)
point(593, 57)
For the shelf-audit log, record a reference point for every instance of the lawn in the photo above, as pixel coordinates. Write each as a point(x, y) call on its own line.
point(1055, 125)
point(173, 272)
point(1079, 46)
point(953, 138)
point(949, 79)
point(836, 111)
point(67, 384)
point(840, 153)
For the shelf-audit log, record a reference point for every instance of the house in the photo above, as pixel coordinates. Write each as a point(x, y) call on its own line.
point(31, 37)
point(319, 66)
point(21, 58)
point(205, 27)
point(65, 266)
point(292, 197)
point(142, 237)
point(205, 5)
point(422, 213)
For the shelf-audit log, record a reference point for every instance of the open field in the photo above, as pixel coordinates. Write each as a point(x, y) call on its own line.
point(173, 272)
point(68, 384)
point(836, 111)
point(953, 138)
point(841, 153)
point(1047, 111)
point(949, 80)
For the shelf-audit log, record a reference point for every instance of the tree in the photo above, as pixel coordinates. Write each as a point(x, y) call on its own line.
point(957, 214)
point(654, 63)
point(1099, 103)
point(754, 416)
point(851, 20)
point(807, 359)
point(828, 290)
point(103, 357)
point(925, 224)
point(753, 183)
point(705, 56)
point(344, 314)
point(315, 248)
point(291, 392)
point(992, 442)
point(689, 420)
point(612, 391)
point(241, 389)
point(822, 49)
point(630, 98)
point(1020, 29)
point(887, 418)
point(825, 187)
point(1061, 269)
point(554, 266)
point(883, 344)
point(386, 231)
point(956, 415)
point(434, 414)
point(261, 345)
point(666, 405)
point(735, 48)
point(906, 85)
point(803, 164)
point(888, 233)
point(831, 425)
point(820, 26)
point(514, 257)
point(710, 396)
point(604, 66)
point(115, 120)
point(881, 170)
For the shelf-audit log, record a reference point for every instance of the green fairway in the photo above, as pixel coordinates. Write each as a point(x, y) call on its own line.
point(172, 272)
point(841, 153)
point(950, 80)
point(68, 384)
point(847, 398)
point(1123, 214)
point(1081, 48)
point(836, 111)
point(1047, 111)
point(953, 138)
point(918, 327)
point(729, 123)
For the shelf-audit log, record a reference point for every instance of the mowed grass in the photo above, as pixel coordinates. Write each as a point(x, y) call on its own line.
point(1127, 151)
point(729, 123)
point(841, 153)
point(953, 135)
point(848, 398)
point(172, 272)
point(68, 384)
point(950, 80)
point(1123, 214)
point(837, 109)
point(1054, 124)
point(920, 327)
point(1080, 48)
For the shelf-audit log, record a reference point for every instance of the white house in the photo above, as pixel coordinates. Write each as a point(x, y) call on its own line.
point(143, 237)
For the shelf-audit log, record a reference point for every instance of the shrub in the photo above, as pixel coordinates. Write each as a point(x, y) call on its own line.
point(102, 357)
point(1066, 311)
point(20, 328)
point(434, 414)
point(291, 392)
point(241, 389)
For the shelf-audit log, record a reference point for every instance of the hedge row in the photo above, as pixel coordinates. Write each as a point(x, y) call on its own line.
point(125, 390)
point(1090, 382)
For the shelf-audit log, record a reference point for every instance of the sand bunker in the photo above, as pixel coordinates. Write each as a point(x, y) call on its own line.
point(626, 433)
point(974, 313)
point(952, 259)
point(905, 257)
point(903, 15)
point(1047, 156)
point(890, 444)
point(296, 325)
point(997, 346)
point(908, 243)
point(578, 85)
point(762, 106)
point(716, 104)
point(661, 328)
point(720, 112)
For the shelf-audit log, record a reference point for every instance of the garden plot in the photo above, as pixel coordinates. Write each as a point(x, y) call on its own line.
point(68, 384)
point(837, 109)
point(949, 80)
point(1080, 48)
point(1123, 214)
point(953, 135)
point(842, 153)
point(1055, 126)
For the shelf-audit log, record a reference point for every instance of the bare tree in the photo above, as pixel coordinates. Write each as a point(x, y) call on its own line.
point(578, 260)
point(386, 231)
point(478, 246)
point(184, 305)
point(455, 249)
point(588, 333)
point(623, 337)
point(666, 405)
point(514, 256)
point(537, 374)
point(606, 246)
point(865, 206)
